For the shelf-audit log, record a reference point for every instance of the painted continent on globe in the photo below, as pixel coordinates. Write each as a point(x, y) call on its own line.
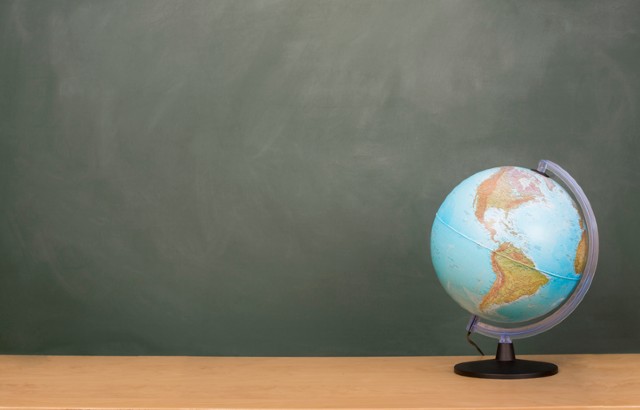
point(509, 244)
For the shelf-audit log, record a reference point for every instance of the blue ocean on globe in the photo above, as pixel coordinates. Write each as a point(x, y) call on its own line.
point(508, 244)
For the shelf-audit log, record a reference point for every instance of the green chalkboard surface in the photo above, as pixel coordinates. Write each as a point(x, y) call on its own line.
point(260, 177)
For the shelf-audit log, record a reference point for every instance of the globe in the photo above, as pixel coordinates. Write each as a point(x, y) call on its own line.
point(509, 244)
point(512, 246)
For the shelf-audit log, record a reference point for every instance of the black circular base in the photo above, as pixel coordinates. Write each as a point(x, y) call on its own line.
point(514, 369)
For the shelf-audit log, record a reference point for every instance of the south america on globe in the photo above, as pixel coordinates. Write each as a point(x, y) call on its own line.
point(509, 245)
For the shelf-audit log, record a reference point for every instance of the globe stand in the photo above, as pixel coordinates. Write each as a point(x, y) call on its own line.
point(505, 366)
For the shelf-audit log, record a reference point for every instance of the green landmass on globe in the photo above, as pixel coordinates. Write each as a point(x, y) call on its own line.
point(509, 244)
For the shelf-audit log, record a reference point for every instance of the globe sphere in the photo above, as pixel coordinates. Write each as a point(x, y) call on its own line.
point(508, 244)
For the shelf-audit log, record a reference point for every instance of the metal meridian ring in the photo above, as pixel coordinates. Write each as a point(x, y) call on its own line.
point(477, 326)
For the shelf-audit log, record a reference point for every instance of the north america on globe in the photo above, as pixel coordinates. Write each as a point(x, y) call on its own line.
point(508, 244)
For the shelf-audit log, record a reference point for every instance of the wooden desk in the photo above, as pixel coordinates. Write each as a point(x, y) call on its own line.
point(53, 382)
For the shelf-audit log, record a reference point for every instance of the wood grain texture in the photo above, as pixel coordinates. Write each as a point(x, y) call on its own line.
point(94, 382)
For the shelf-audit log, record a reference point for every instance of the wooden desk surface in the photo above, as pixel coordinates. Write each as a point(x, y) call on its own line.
point(52, 382)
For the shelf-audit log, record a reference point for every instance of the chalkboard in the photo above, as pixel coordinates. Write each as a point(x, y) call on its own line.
point(260, 177)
